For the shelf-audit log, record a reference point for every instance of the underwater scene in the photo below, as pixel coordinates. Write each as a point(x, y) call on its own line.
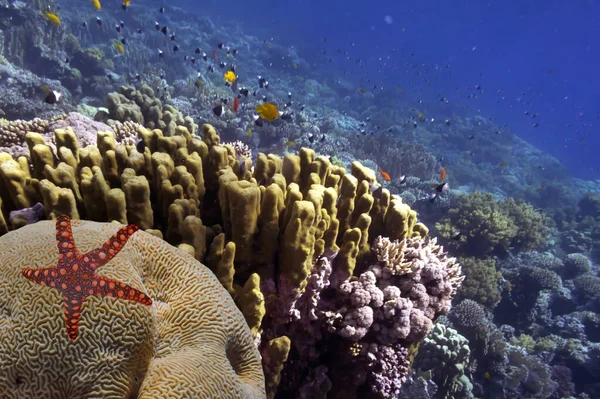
point(299, 199)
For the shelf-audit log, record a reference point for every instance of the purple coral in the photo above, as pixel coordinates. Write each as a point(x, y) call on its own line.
point(360, 329)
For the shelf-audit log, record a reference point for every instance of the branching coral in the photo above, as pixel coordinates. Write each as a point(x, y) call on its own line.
point(482, 225)
point(482, 281)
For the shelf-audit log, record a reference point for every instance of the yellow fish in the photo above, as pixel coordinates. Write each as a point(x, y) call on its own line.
point(96, 4)
point(126, 3)
point(119, 47)
point(289, 143)
point(399, 90)
point(52, 17)
point(267, 111)
point(249, 133)
point(294, 65)
point(229, 76)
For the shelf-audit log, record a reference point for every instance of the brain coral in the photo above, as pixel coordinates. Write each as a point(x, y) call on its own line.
point(124, 349)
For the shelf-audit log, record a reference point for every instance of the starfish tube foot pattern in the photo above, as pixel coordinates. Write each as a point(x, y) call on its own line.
point(75, 274)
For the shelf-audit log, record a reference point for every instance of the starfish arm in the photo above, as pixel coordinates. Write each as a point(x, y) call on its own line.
point(39, 276)
point(117, 289)
point(101, 256)
point(73, 314)
point(64, 238)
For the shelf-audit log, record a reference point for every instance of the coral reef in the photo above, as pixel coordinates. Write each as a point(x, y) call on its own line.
point(286, 209)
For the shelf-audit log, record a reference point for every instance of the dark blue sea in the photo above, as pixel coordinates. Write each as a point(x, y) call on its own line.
point(536, 57)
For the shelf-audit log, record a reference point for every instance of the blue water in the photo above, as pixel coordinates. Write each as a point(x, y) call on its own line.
point(536, 57)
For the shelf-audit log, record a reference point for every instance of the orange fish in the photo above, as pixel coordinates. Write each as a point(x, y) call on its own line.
point(384, 175)
point(236, 104)
point(443, 174)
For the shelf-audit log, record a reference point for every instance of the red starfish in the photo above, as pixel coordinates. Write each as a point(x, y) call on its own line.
point(75, 274)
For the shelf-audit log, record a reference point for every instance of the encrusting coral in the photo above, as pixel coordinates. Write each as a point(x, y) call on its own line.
point(290, 239)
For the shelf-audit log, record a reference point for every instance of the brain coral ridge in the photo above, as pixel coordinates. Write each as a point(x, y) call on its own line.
point(123, 348)
point(275, 231)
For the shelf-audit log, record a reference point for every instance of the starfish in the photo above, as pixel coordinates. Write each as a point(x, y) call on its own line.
point(75, 274)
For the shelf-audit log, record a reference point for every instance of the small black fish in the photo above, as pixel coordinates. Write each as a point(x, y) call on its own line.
point(261, 82)
point(322, 138)
point(456, 235)
point(211, 68)
point(287, 116)
point(160, 53)
point(376, 190)
point(402, 179)
point(186, 57)
point(232, 68)
point(140, 31)
point(156, 25)
point(219, 110)
point(244, 91)
point(123, 40)
point(197, 51)
point(52, 97)
point(235, 52)
point(471, 137)
point(175, 48)
point(122, 24)
point(442, 188)
point(140, 146)
point(220, 46)
point(433, 196)
point(118, 28)
point(165, 30)
point(67, 60)
point(84, 24)
point(98, 21)
point(311, 138)
point(204, 57)
point(193, 60)
point(162, 10)
point(222, 64)
point(257, 120)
